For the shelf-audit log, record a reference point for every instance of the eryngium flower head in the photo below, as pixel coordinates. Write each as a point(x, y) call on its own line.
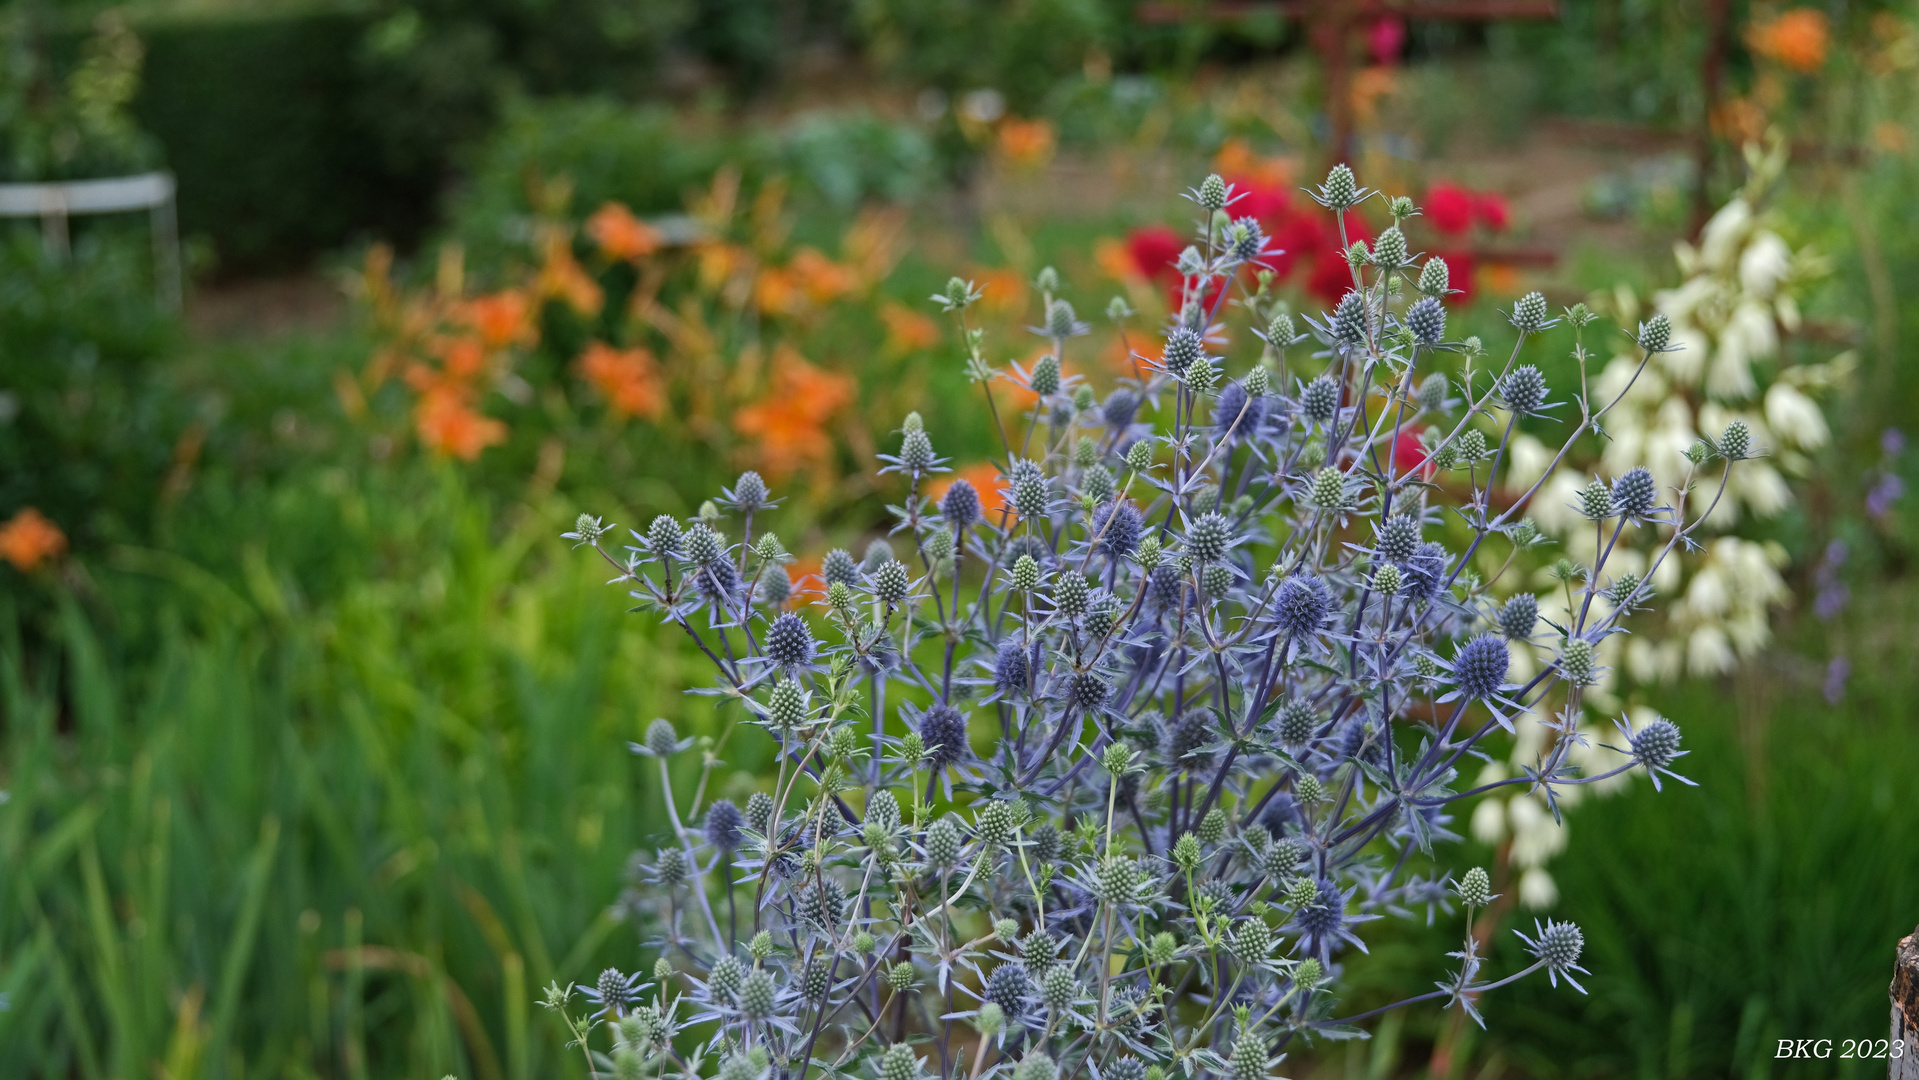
point(1208, 537)
point(1558, 944)
point(789, 642)
point(1088, 691)
point(664, 537)
point(1117, 880)
point(1252, 939)
point(1595, 501)
point(1389, 250)
point(943, 729)
point(1121, 406)
point(702, 545)
point(1126, 1068)
point(1185, 735)
point(1349, 319)
point(1435, 278)
point(1281, 858)
point(1328, 490)
point(1237, 412)
point(838, 568)
point(1579, 661)
point(1183, 348)
point(960, 506)
point(1396, 539)
point(661, 740)
point(1655, 334)
point(719, 582)
point(916, 451)
point(942, 843)
point(1296, 723)
point(759, 811)
point(1427, 320)
point(1425, 571)
point(756, 995)
point(749, 492)
point(1009, 988)
point(1246, 239)
point(1058, 989)
point(1529, 314)
point(1212, 193)
point(1061, 322)
point(877, 553)
point(1039, 951)
point(1475, 888)
point(614, 990)
point(899, 1063)
point(723, 823)
point(816, 979)
point(1341, 189)
point(1432, 392)
point(1300, 605)
point(1281, 330)
point(1217, 580)
point(1249, 1057)
point(891, 581)
point(1656, 745)
point(1071, 594)
point(821, 903)
point(1044, 379)
point(726, 976)
point(899, 978)
point(1524, 390)
point(1635, 492)
point(775, 588)
point(1025, 573)
point(1479, 670)
point(1519, 615)
point(1010, 668)
point(1736, 443)
point(1319, 399)
point(1116, 529)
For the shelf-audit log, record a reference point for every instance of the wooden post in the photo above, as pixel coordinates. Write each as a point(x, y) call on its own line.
point(1905, 1011)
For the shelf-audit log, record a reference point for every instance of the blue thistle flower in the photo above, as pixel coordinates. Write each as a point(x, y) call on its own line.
point(1479, 669)
point(1116, 528)
point(789, 642)
point(960, 506)
point(943, 730)
point(723, 822)
point(1300, 605)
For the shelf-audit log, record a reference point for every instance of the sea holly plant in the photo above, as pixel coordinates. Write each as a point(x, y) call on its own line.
point(1105, 776)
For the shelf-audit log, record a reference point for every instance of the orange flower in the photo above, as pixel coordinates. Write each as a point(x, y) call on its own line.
point(1370, 86)
point(907, 330)
point(1237, 162)
point(561, 277)
point(1115, 259)
point(788, 424)
point(775, 292)
point(1002, 289)
point(629, 378)
point(1025, 142)
point(30, 539)
point(448, 425)
point(501, 318)
point(822, 279)
point(620, 234)
point(463, 357)
point(1798, 39)
point(984, 476)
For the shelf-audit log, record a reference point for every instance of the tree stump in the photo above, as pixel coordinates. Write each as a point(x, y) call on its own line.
point(1905, 1011)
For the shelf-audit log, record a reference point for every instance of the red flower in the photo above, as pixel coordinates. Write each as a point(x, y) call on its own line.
point(1155, 249)
point(1491, 210)
point(1449, 208)
point(1385, 39)
point(1408, 455)
point(1460, 268)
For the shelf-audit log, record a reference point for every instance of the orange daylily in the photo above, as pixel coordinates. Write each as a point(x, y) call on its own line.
point(1115, 260)
point(1001, 289)
point(629, 378)
point(462, 357)
point(621, 235)
point(29, 539)
point(788, 424)
point(908, 330)
point(823, 279)
point(449, 425)
point(501, 318)
point(1798, 39)
point(1026, 142)
point(1238, 162)
point(561, 277)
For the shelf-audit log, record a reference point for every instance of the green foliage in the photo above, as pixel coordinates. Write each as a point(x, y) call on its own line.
point(1018, 47)
point(71, 125)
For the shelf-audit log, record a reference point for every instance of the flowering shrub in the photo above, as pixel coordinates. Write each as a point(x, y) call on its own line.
point(1196, 696)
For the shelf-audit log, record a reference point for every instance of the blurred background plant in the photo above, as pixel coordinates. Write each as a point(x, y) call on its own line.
point(239, 583)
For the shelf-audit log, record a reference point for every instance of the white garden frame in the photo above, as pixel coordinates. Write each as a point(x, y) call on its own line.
point(55, 202)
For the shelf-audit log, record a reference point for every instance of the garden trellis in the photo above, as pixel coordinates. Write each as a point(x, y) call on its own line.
point(55, 202)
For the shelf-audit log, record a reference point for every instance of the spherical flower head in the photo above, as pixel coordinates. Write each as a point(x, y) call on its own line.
point(1281, 859)
point(1558, 944)
point(1635, 493)
point(1475, 888)
point(991, 1019)
point(726, 976)
point(719, 583)
point(1389, 250)
point(1186, 853)
point(1296, 723)
point(1246, 239)
point(1212, 193)
point(891, 581)
point(1579, 661)
point(664, 537)
point(1435, 278)
point(899, 978)
point(1116, 528)
point(1097, 484)
point(1349, 319)
point(1044, 379)
point(630, 1064)
point(1427, 320)
point(899, 1062)
point(1010, 669)
point(916, 452)
point(703, 546)
point(1479, 670)
point(1217, 580)
point(1302, 892)
point(723, 823)
point(1655, 334)
point(1117, 881)
point(1319, 399)
point(1341, 189)
point(1236, 412)
point(1007, 988)
point(1032, 496)
point(1308, 973)
point(756, 995)
point(1524, 390)
point(960, 506)
point(1252, 939)
point(1656, 745)
point(821, 903)
point(786, 706)
point(1126, 1068)
point(943, 729)
point(789, 642)
point(1425, 571)
point(838, 568)
point(1396, 538)
point(1387, 580)
point(995, 823)
point(615, 990)
point(1183, 348)
point(1328, 490)
point(1061, 322)
point(1249, 1057)
point(1057, 988)
point(939, 546)
point(1469, 447)
point(1281, 331)
point(1518, 616)
point(1736, 443)
point(816, 979)
point(1202, 376)
point(1595, 501)
point(749, 492)
point(1432, 391)
point(883, 809)
point(1088, 692)
point(661, 740)
point(1025, 574)
point(1209, 537)
point(1529, 313)
point(759, 809)
point(1300, 605)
